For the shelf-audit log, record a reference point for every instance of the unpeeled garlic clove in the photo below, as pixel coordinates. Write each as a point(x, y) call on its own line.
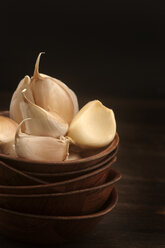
point(43, 123)
point(40, 148)
point(53, 95)
point(15, 112)
point(7, 135)
point(93, 127)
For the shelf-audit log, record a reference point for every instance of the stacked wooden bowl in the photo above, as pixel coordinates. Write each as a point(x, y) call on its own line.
point(52, 203)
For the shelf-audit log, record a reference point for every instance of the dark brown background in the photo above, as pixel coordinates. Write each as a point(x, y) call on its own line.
point(114, 51)
point(110, 47)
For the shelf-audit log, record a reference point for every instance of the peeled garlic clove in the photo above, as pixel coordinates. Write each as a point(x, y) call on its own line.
point(43, 123)
point(15, 112)
point(7, 135)
point(94, 126)
point(40, 148)
point(52, 95)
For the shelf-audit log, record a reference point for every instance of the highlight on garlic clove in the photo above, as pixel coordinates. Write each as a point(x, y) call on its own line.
point(93, 127)
point(7, 136)
point(43, 123)
point(14, 111)
point(53, 95)
point(40, 148)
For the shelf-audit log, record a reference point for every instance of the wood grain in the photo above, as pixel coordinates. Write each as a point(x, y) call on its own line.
point(72, 203)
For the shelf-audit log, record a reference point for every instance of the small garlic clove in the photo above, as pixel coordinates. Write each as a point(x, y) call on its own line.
point(7, 135)
point(53, 95)
point(15, 112)
point(43, 123)
point(93, 127)
point(40, 148)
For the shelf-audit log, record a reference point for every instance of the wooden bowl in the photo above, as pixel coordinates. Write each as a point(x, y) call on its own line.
point(94, 178)
point(58, 177)
point(51, 229)
point(77, 202)
point(11, 176)
point(65, 166)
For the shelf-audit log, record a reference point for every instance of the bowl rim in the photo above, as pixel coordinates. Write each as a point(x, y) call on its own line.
point(110, 148)
point(111, 203)
point(117, 177)
point(22, 173)
point(91, 168)
point(49, 185)
point(98, 155)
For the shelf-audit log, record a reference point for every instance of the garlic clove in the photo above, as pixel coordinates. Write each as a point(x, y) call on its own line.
point(8, 148)
point(7, 135)
point(53, 95)
point(40, 148)
point(15, 112)
point(94, 126)
point(43, 123)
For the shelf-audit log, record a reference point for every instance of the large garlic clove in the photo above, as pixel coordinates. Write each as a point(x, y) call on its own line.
point(15, 112)
point(53, 95)
point(94, 126)
point(43, 123)
point(40, 148)
point(7, 135)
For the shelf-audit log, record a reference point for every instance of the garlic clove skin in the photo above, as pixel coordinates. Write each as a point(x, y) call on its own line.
point(8, 148)
point(40, 148)
point(53, 95)
point(43, 123)
point(14, 111)
point(7, 135)
point(72, 95)
point(93, 127)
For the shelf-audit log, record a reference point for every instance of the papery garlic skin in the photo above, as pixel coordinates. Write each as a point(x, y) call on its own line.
point(15, 112)
point(7, 135)
point(40, 148)
point(93, 127)
point(43, 123)
point(53, 95)
point(72, 95)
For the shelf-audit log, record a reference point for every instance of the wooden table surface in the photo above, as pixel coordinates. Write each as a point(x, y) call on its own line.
point(138, 221)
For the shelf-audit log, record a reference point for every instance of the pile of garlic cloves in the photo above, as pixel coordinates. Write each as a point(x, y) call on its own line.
point(45, 119)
